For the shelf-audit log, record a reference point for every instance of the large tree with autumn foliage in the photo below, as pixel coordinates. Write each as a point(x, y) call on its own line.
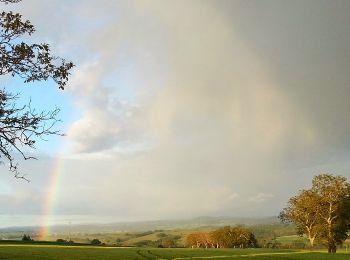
point(322, 212)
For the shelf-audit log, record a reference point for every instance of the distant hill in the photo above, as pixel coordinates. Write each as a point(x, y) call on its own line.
point(200, 222)
point(195, 223)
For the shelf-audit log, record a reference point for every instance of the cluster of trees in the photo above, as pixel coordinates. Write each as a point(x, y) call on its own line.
point(27, 238)
point(322, 213)
point(225, 237)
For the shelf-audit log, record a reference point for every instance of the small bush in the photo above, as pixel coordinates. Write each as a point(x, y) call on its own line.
point(96, 241)
point(60, 240)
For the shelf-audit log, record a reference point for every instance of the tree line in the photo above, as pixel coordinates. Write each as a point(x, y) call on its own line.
point(321, 213)
point(225, 237)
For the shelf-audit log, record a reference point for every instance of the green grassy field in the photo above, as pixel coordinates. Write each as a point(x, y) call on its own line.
point(8, 251)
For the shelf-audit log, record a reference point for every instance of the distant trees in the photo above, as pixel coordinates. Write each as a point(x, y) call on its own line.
point(221, 238)
point(60, 240)
point(322, 212)
point(199, 239)
point(27, 238)
point(169, 243)
point(119, 241)
point(147, 243)
point(96, 242)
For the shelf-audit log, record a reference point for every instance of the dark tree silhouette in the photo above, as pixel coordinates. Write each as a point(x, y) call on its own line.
point(96, 241)
point(27, 238)
point(10, 1)
point(21, 126)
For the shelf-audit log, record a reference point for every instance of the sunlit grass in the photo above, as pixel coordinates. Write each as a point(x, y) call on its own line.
point(13, 251)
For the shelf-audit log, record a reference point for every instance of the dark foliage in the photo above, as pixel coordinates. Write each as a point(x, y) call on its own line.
point(96, 242)
point(26, 238)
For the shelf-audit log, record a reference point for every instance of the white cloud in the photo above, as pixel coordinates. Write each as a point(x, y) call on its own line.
point(95, 131)
point(261, 197)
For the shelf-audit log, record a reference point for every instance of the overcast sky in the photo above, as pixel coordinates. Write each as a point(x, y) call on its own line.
point(178, 109)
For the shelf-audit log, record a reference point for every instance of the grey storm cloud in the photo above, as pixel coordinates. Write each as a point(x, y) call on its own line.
point(237, 101)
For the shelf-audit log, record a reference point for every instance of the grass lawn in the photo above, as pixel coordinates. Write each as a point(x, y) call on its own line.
point(8, 251)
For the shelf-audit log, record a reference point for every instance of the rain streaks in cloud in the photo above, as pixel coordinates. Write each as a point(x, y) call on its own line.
point(191, 108)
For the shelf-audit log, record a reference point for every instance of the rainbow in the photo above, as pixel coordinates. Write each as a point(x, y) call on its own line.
point(48, 206)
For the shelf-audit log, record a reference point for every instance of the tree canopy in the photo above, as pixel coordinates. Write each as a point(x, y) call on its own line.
point(21, 126)
point(223, 238)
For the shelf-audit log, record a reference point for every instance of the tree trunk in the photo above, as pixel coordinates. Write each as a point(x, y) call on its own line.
point(312, 239)
point(332, 248)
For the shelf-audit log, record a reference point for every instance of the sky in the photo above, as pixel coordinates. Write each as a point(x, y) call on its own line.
point(179, 109)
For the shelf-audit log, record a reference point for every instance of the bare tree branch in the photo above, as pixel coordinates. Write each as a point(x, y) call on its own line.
point(22, 126)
